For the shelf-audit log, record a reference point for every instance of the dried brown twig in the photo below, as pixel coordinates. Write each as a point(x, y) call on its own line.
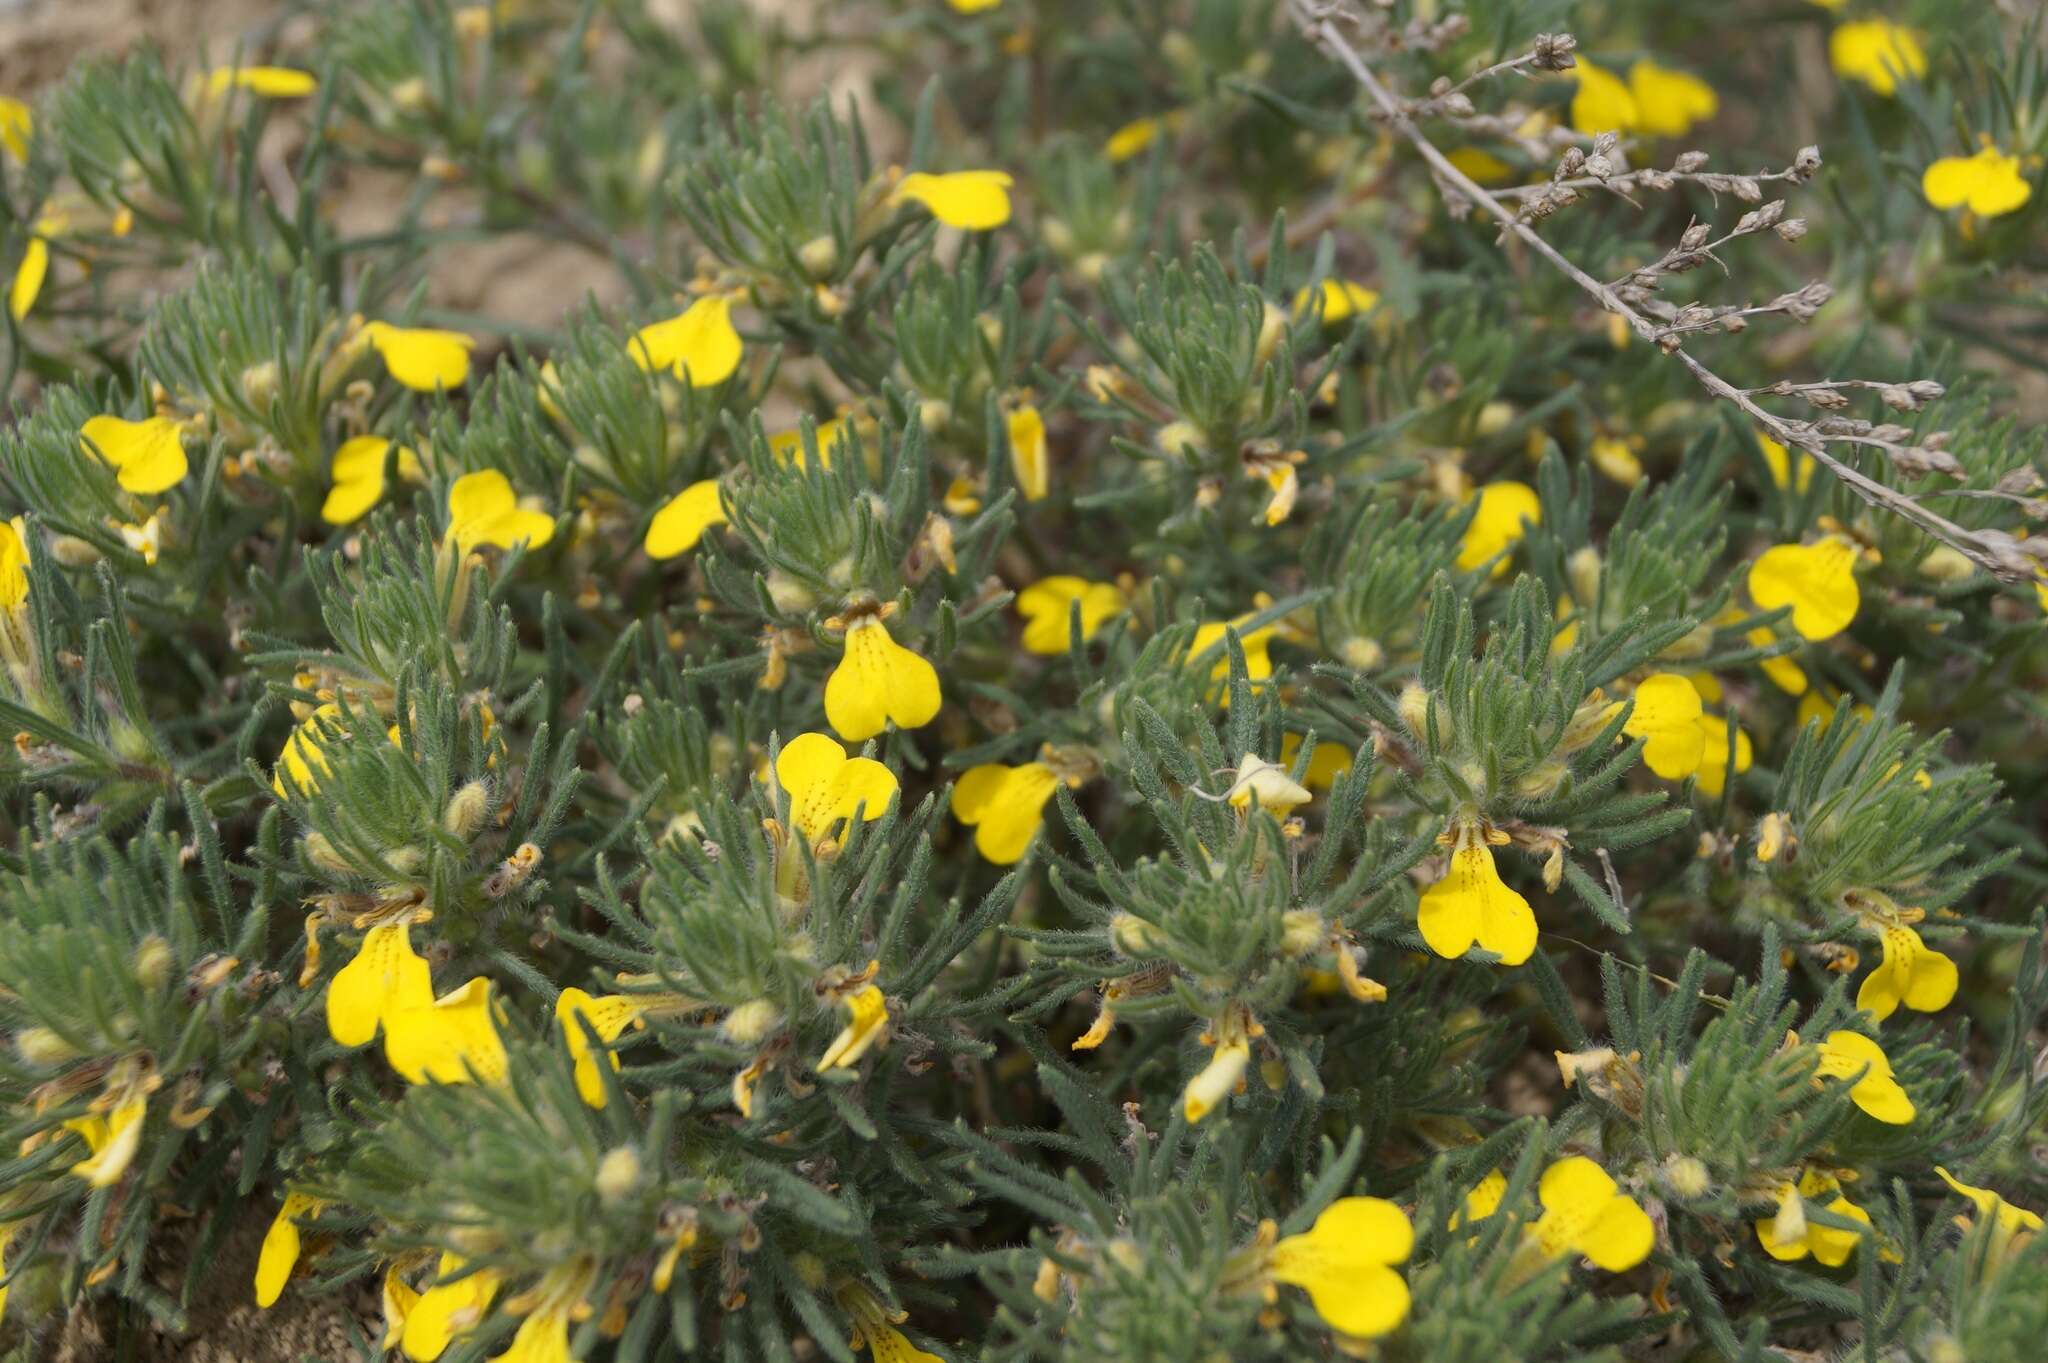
point(1997, 552)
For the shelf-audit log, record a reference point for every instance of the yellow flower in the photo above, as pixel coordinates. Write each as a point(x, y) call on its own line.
point(1923, 980)
point(699, 345)
point(271, 82)
point(1046, 606)
point(145, 537)
point(1789, 1236)
point(825, 786)
point(1342, 300)
point(280, 1252)
point(1506, 510)
point(832, 436)
point(148, 456)
point(398, 1300)
point(483, 510)
point(301, 753)
point(1585, 1213)
point(684, 518)
point(447, 1309)
point(1988, 184)
point(1471, 906)
point(1345, 1262)
point(543, 1337)
point(1877, 52)
point(27, 285)
point(1818, 581)
point(974, 200)
point(872, 1327)
point(13, 564)
point(1785, 674)
point(1325, 764)
point(112, 1142)
point(1132, 138)
point(878, 682)
point(358, 474)
point(1713, 768)
point(423, 359)
point(2008, 1219)
point(1667, 718)
point(1217, 1079)
point(1846, 1054)
point(1268, 783)
point(1028, 458)
point(1257, 664)
point(1005, 806)
point(973, 6)
point(1603, 103)
point(610, 1015)
point(16, 123)
point(1788, 470)
point(1480, 166)
point(867, 1020)
point(1617, 458)
point(386, 977)
point(1669, 102)
point(1483, 1201)
point(448, 1040)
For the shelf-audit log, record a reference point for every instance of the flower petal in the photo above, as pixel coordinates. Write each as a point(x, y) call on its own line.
point(699, 344)
point(973, 200)
point(682, 521)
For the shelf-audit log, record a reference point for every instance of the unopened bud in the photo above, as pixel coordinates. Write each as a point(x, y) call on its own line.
point(819, 256)
point(259, 385)
point(1301, 931)
point(1133, 935)
point(321, 853)
point(41, 1046)
point(618, 1174)
point(466, 811)
point(751, 1023)
point(1687, 1176)
point(153, 961)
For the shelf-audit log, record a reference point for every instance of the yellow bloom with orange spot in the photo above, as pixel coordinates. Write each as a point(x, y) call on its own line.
point(1911, 974)
point(1472, 906)
point(877, 683)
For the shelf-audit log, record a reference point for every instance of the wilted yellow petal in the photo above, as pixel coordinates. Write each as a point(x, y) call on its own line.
point(867, 1019)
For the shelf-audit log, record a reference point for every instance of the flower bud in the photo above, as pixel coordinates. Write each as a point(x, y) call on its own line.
point(259, 385)
point(618, 1174)
point(1301, 931)
point(1687, 1177)
point(466, 811)
point(321, 853)
point(1361, 654)
point(41, 1046)
point(1179, 439)
point(1133, 935)
point(819, 256)
point(751, 1023)
point(153, 961)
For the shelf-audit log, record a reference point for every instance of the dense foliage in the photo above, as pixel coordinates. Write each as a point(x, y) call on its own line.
point(1228, 679)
